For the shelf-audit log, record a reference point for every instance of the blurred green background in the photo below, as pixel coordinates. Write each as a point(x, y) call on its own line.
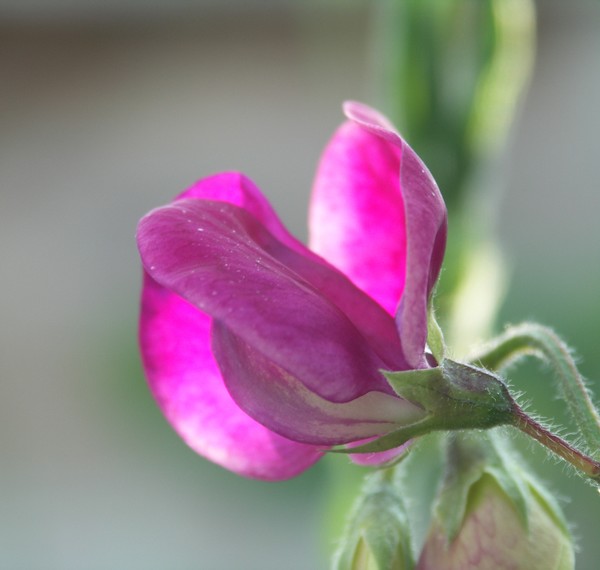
point(110, 108)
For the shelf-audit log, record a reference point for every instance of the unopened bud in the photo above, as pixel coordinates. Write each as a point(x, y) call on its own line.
point(499, 529)
point(376, 537)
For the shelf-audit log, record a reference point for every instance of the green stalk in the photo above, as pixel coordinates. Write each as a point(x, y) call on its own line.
point(536, 340)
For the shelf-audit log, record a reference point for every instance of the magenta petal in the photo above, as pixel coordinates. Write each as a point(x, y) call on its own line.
point(299, 345)
point(426, 226)
point(378, 215)
point(379, 458)
point(374, 324)
point(221, 259)
point(185, 379)
point(356, 216)
point(187, 384)
point(281, 401)
point(237, 189)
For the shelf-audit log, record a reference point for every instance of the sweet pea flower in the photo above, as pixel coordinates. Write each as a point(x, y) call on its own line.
point(263, 353)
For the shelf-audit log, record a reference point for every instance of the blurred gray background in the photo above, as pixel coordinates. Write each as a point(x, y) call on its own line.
point(108, 109)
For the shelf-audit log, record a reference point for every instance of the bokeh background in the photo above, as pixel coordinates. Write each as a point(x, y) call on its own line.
point(110, 108)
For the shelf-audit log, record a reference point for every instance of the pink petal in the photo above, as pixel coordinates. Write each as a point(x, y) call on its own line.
point(236, 188)
point(378, 216)
point(356, 217)
point(223, 261)
point(426, 226)
point(279, 399)
point(380, 458)
point(374, 324)
point(183, 374)
point(187, 384)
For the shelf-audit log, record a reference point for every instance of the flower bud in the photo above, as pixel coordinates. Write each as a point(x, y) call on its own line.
point(376, 537)
point(508, 522)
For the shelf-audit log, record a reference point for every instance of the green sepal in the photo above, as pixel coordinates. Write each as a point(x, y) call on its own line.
point(548, 502)
point(393, 439)
point(435, 336)
point(456, 396)
point(472, 456)
point(377, 534)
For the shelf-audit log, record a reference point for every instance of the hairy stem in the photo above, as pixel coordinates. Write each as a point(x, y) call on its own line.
point(533, 339)
point(556, 444)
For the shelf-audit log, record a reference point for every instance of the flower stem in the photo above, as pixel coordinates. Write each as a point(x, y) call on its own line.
point(564, 449)
point(533, 339)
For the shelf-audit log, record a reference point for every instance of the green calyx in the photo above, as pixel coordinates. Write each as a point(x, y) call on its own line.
point(454, 396)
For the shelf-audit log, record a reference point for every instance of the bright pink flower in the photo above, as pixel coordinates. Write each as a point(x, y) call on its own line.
point(262, 353)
